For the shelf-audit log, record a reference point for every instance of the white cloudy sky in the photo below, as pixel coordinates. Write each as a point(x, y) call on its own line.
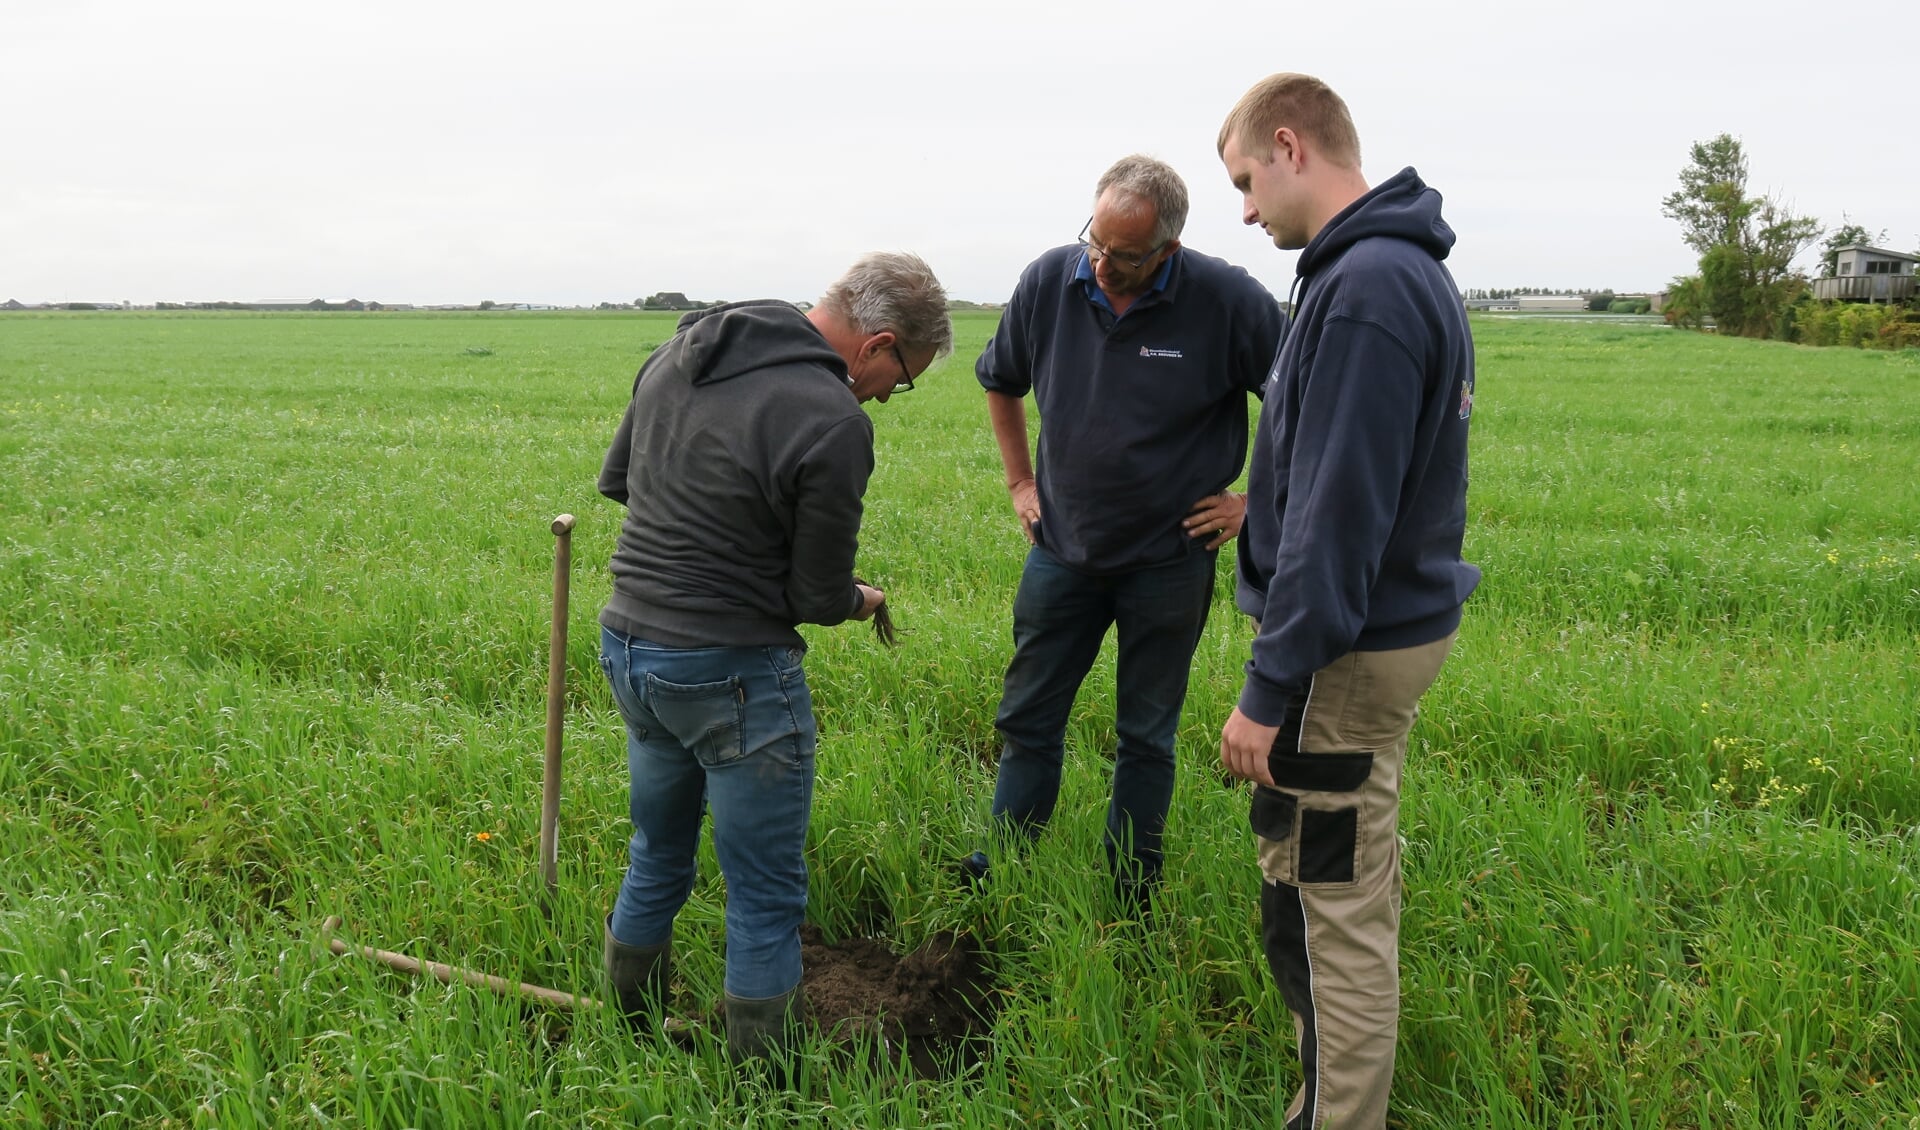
point(575, 152)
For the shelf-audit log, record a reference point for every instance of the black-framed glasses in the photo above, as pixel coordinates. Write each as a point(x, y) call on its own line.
point(1095, 252)
point(905, 384)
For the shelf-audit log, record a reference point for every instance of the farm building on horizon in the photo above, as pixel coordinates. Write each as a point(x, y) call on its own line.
point(1538, 303)
point(1868, 274)
point(1529, 303)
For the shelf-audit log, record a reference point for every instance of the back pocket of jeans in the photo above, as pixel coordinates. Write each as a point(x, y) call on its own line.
point(706, 718)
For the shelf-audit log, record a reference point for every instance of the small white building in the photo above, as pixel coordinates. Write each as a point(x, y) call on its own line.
point(1868, 274)
point(1863, 260)
point(1540, 303)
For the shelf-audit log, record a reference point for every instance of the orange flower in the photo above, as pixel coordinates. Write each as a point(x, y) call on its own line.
point(483, 837)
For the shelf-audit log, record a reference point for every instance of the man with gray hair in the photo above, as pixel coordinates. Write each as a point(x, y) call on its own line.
point(1140, 355)
point(742, 461)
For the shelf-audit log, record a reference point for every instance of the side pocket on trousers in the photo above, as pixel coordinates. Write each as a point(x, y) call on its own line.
point(1320, 772)
point(1325, 851)
point(1329, 845)
point(1272, 813)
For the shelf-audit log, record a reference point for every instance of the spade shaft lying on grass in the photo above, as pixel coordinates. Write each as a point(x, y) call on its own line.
point(451, 973)
point(448, 974)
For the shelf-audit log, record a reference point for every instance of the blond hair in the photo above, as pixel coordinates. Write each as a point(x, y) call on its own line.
point(1301, 103)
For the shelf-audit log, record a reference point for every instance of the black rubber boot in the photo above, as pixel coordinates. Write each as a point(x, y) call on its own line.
point(765, 1029)
point(637, 979)
point(973, 869)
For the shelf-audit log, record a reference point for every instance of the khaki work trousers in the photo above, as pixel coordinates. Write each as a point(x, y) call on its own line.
point(1329, 850)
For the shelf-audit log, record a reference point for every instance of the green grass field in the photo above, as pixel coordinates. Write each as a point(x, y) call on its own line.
point(275, 593)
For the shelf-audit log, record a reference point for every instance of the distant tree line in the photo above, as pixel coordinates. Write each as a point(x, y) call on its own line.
point(1598, 301)
point(671, 300)
point(1515, 292)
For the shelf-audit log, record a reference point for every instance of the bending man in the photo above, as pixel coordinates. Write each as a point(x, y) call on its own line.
point(742, 461)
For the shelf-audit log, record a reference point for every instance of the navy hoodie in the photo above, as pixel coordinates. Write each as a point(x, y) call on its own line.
point(1357, 496)
point(742, 460)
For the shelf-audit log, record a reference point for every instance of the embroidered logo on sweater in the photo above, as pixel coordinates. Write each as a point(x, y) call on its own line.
point(1146, 352)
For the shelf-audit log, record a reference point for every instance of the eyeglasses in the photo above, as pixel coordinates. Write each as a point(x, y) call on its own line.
point(1095, 252)
point(905, 384)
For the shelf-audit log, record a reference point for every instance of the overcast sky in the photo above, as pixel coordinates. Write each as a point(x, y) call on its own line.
point(575, 153)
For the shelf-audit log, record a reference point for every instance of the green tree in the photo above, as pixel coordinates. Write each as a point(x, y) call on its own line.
point(1846, 235)
point(1711, 202)
point(1747, 243)
point(1686, 304)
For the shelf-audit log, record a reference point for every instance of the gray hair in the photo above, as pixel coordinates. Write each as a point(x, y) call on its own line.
point(896, 292)
point(1153, 183)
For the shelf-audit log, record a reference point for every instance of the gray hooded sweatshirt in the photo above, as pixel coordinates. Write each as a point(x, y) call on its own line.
point(741, 460)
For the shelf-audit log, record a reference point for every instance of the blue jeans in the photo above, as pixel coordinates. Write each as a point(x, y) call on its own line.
point(730, 729)
point(1059, 619)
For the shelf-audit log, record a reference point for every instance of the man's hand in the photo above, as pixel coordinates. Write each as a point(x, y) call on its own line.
point(1026, 505)
point(1217, 517)
point(1244, 745)
point(870, 599)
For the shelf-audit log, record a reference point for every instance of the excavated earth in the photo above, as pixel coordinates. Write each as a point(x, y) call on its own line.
point(934, 1004)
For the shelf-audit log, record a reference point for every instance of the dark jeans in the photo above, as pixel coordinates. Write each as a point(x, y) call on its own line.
point(1059, 619)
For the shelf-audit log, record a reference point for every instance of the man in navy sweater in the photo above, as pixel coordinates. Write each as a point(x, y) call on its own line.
point(1140, 355)
point(1350, 567)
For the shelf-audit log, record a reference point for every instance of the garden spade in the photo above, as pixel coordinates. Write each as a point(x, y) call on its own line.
point(549, 824)
point(556, 706)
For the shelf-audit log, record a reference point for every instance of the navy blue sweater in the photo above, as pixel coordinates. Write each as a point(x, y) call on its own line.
point(1140, 416)
point(1357, 498)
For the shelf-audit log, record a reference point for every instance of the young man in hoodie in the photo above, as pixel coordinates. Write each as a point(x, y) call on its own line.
point(1140, 355)
point(1350, 567)
point(742, 461)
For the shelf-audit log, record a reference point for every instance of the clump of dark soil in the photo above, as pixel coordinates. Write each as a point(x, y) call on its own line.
point(935, 1004)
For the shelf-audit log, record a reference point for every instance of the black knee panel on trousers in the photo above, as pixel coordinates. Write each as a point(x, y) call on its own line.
point(1283, 934)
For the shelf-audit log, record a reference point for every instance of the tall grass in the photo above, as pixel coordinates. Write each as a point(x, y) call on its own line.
point(274, 594)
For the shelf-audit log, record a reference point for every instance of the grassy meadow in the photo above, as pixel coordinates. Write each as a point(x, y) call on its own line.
point(274, 593)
